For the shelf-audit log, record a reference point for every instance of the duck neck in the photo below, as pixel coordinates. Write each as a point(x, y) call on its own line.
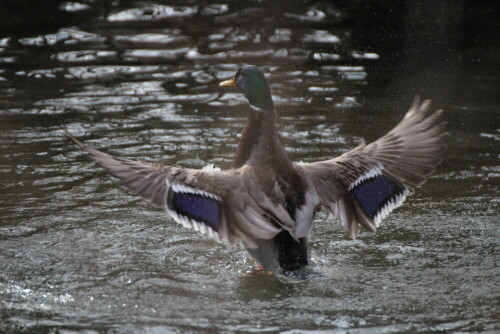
point(260, 142)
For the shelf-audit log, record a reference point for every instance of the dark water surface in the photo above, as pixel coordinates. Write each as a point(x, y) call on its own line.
point(78, 253)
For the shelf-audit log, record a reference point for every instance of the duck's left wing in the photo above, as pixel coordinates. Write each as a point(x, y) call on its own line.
point(227, 205)
point(364, 185)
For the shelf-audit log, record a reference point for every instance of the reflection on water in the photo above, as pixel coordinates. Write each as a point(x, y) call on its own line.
point(140, 80)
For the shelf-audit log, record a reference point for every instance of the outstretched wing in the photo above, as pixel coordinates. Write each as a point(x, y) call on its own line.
point(227, 205)
point(364, 185)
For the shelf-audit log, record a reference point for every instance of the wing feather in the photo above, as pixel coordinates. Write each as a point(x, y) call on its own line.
point(225, 204)
point(362, 186)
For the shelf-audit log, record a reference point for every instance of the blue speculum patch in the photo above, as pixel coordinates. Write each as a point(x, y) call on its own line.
point(373, 193)
point(197, 207)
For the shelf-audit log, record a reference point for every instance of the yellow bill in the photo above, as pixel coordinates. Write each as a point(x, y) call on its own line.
point(228, 83)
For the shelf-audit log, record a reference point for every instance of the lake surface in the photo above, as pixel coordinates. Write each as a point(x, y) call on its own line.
point(78, 253)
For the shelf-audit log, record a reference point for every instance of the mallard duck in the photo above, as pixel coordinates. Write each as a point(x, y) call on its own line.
point(269, 202)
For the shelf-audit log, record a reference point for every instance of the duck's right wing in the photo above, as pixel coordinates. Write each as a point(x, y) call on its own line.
point(362, 186)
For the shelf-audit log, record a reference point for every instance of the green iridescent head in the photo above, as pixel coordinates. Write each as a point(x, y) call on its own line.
point(251, 81)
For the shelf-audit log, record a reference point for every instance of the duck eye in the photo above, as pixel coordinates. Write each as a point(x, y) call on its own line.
point(238, 74)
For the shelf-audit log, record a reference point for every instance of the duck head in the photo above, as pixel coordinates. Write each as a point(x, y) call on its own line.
point(251, 81)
